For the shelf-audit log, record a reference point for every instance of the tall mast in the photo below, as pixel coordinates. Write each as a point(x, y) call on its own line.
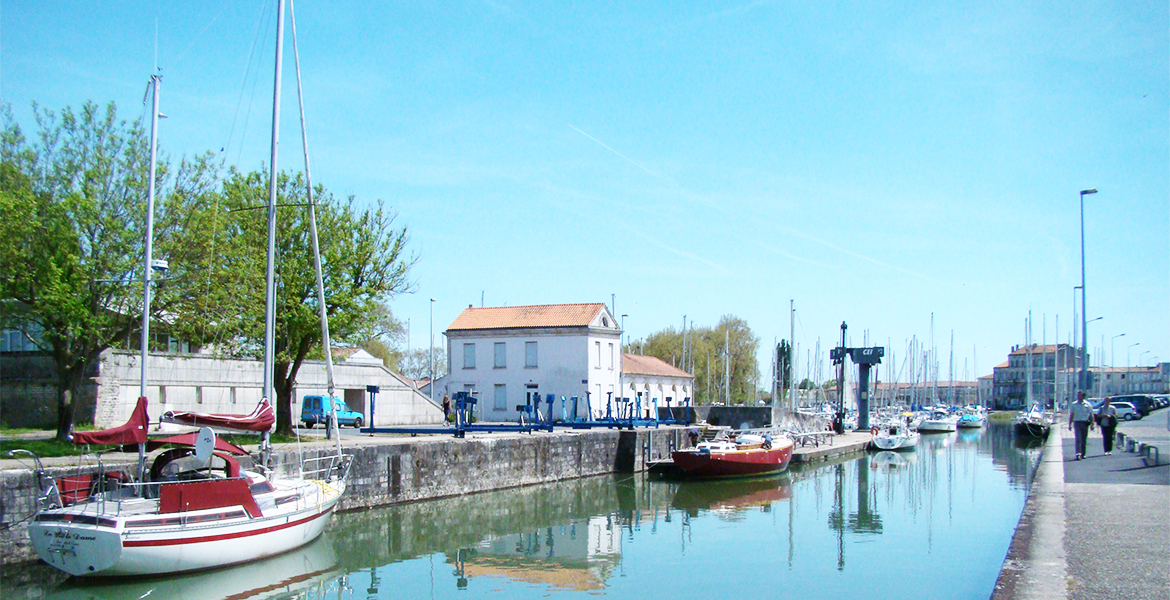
point(325, 343)
point(155, 82)
point(270, 272)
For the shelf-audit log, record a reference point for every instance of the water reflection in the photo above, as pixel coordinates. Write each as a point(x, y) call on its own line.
point(935, 522)
point(312, 571)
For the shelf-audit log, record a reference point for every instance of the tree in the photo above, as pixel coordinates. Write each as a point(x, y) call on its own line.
point(364, 264)
point(416, 364)
point(707, 347)
point(73, 202)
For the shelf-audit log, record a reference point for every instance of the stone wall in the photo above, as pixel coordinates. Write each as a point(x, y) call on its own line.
point(405, 470)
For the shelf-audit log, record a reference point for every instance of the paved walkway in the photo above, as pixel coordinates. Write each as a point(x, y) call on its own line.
point(1097, 528)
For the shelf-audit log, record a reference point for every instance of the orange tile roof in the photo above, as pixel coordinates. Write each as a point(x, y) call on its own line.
point(514, 317)
point(637, 364)
point(1039, 349)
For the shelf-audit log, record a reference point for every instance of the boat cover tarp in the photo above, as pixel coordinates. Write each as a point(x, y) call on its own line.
point(260, 419)
point(189, 439)
point(133, 432)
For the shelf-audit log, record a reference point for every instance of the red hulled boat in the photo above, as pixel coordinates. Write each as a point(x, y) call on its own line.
point(744, 456)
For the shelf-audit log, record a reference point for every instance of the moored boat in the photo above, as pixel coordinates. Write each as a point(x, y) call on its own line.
point(738, 455)
point(894, 436)
point(938, 422)
point(194, 511)
point(1032, 423)
point(972, 418)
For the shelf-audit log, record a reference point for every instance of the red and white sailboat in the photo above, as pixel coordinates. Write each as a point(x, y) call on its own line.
point(195, 510)
point(200, 509)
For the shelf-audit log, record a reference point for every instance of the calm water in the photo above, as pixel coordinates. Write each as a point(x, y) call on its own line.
point(933, 523)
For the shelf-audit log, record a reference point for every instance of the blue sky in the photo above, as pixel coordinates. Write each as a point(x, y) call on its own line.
point(875, 164)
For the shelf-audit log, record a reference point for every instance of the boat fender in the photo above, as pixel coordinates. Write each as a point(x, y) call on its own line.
point(873, 431)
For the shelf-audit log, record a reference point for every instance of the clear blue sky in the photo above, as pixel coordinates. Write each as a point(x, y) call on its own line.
point(874, 163)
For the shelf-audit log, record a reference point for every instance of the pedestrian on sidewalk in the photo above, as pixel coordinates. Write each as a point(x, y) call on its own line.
point(1080, 421)
point(1107, 419)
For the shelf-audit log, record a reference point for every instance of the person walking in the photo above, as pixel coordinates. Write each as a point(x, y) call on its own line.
point(1107, 419)
point(1080, 421)
point(446, 406)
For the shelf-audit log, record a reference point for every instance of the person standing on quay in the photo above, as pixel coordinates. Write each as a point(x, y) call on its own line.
point(1107, 419)
point(446, 407)
point(1080, 421)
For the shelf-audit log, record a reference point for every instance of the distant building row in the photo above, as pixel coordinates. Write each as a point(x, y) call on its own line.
point(1047, 374)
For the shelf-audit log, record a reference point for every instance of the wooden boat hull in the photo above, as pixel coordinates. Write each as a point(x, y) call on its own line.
point(735, 463)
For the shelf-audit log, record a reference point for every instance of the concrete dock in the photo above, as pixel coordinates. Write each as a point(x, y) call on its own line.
point(1097, 528)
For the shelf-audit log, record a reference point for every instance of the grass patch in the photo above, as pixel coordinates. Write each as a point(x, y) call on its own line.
point(44, 448)
point(1001, 416)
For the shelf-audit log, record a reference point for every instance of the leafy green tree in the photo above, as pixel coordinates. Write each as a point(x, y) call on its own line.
point(706, 349)
point(416, 364)
point(363, 258)
point(73, 206)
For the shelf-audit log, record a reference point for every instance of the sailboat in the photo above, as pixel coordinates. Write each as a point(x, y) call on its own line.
point(192, 510)
point(1032, 422)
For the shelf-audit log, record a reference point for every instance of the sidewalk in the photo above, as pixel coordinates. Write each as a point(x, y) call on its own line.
point(1094, 528)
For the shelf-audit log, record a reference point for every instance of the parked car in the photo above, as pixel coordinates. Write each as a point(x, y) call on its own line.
point(1142, 402)
point(1125, 411)
point(314, 409)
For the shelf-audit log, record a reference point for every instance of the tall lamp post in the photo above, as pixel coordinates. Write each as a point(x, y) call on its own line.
point(1083, 383)
point(1112, 355)
point(431, 350)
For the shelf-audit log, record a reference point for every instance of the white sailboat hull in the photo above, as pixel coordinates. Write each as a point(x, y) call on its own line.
point(133, 538)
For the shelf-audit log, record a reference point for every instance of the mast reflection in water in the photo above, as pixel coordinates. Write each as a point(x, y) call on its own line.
point(935, 523)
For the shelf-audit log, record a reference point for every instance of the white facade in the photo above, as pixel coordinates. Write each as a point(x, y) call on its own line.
point(509, 366)
point(654, 381)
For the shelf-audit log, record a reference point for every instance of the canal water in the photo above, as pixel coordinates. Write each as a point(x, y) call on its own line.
point(931, 523)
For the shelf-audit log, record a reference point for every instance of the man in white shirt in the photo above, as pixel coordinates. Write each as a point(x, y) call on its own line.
point(1080, 421)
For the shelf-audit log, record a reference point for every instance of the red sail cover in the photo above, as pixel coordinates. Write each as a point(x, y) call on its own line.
point(133, 432)
point(260, 419)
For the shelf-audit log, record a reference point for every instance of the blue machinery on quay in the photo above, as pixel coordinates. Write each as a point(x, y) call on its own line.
point(620, 413)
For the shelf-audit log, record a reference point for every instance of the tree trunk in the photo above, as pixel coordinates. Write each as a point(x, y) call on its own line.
point(64, 407)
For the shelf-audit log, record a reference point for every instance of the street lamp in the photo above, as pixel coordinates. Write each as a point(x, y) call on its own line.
point(1084, 379)
point(1141, 360)
point(623, 340)
point(431, 350)
point(1112, 354)
point(1127, 356)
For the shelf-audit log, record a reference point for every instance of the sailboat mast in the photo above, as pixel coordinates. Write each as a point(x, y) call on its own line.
point(155, 82)
point(325, 344)
point(270, 273)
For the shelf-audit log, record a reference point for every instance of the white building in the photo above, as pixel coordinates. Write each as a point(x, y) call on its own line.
point(512, 355)
point(652, 378)
point(204, 383)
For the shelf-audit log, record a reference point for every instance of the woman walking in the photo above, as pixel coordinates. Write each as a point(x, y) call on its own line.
point(1107, 419)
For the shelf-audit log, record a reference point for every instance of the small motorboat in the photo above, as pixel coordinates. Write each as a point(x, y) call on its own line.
point(939, 421)
point(893, 436)
point(1032, 423)
point(972, 418)
point(738, 454)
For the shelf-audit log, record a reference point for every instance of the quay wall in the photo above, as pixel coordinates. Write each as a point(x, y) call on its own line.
point(403, 470)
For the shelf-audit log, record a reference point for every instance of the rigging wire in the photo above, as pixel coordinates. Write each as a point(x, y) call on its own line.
point(251, 68)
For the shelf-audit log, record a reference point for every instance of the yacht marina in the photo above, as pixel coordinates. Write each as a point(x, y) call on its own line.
point(880, 524)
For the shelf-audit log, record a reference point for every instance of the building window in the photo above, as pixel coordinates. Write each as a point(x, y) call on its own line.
point(468, 356)
point(501, 355)
point(597, 365)
point(611, 356)
point(500, 401)
point(530, 355)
